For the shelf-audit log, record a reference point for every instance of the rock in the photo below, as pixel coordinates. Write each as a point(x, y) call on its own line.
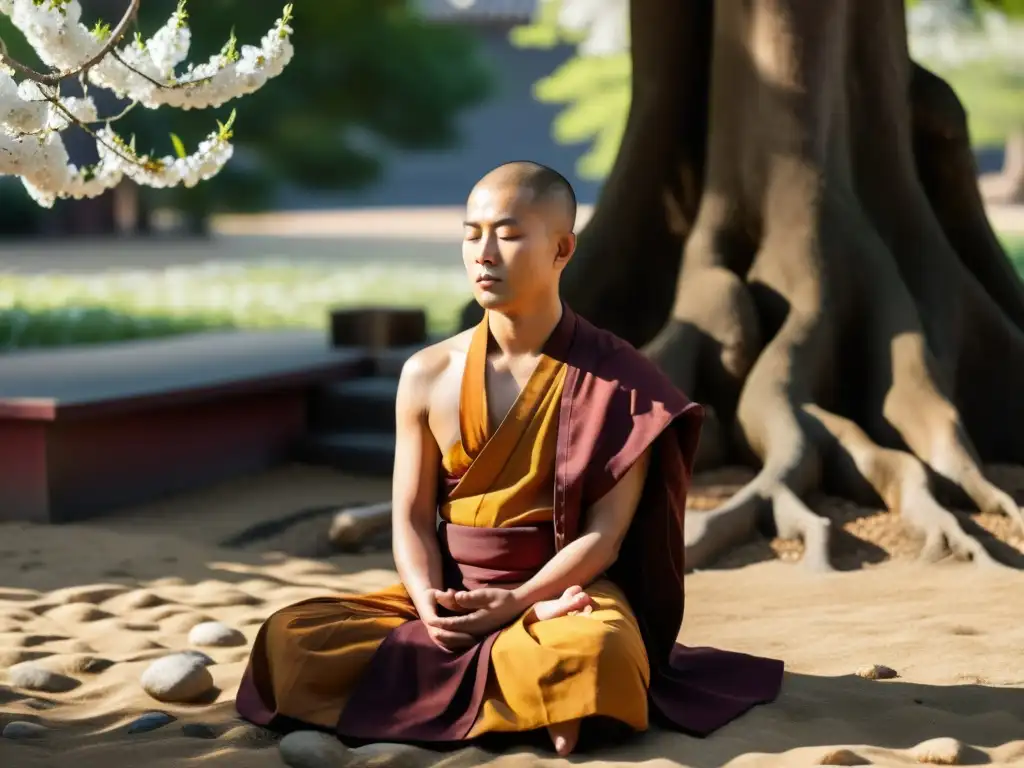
point(21, 729)
point(198, 731)
point(842, 757)
point(180, 677)
point(40, 705)
point(206, 660)
point(33, 677)
point(877, 672)
point(215, 634)
point(150, 722)
point(249, 735)
point(940, 751)
point(312, 749)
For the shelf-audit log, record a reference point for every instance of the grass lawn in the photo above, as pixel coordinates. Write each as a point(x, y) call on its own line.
point(50, 310)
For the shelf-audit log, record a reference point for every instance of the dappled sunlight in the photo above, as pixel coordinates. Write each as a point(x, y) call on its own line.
point(94, 605)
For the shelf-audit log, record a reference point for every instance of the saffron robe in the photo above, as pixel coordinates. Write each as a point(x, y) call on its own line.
point(364, 666)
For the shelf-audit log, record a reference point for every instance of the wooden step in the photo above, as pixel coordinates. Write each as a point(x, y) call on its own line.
point(355, 405)
point(356, 452)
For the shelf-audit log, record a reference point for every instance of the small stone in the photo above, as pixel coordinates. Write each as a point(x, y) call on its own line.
point(313, 749)
point(215, 634)
point(940, 751)
point(33, 677)
point(877, 672)
point(180, 678)
point(40, 705)
point(20, 729)
point(842, 757)
point(199, 731)
point(199, 656)
point(150, 722)
point(249, 735)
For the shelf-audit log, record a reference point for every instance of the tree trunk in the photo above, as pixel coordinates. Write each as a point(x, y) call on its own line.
point(840, 296)
point(840, 299)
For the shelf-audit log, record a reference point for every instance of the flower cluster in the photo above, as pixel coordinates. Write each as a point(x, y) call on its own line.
point(33, 112)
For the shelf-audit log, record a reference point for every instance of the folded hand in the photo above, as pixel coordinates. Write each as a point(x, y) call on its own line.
point(450, 640)
point(483, 611)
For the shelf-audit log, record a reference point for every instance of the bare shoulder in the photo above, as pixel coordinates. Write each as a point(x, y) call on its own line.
point(422, 372)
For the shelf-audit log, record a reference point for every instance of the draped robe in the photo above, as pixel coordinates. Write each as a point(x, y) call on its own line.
point(364, 667)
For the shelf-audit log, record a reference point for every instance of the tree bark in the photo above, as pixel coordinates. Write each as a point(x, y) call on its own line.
point(840, 293)
point(840, 299)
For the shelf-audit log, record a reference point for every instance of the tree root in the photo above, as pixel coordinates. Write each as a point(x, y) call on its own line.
point(902, 483)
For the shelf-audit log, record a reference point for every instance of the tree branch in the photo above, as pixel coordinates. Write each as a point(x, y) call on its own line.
point(56, 77)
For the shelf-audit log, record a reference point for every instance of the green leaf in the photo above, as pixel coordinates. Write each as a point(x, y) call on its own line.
point(179, 146)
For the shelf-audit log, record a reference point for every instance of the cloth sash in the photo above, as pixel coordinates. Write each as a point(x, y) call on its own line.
point(475, 558)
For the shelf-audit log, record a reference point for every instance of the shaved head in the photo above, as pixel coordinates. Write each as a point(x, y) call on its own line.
point(546, 187)
point(518, 236)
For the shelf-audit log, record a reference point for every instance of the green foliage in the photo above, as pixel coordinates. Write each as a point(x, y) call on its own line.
point(365, 75)
point(595, 90)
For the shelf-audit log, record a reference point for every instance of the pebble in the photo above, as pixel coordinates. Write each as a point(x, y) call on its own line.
point(199, 656)
point(940, 751)
point(33, 677)
point(40, 705)
point(249, 735)
point(21, 729)
point(842, 757)
point(215, 634)
point(312, 749)
point(198, 731)
point(180, 677)
point(877, 672)
point(150, 722)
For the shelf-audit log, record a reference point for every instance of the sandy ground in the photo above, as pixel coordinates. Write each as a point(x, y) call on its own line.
point(99, 601)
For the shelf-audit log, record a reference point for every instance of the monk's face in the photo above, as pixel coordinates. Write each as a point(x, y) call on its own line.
point(514, 250)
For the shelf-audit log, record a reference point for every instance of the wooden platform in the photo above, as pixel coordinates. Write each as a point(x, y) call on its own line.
point(88, 429)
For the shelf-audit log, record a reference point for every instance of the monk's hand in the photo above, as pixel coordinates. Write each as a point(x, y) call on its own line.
point(485, 611)
point(450, 640)
point(573, 602)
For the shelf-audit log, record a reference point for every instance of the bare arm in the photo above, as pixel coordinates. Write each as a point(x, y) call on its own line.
point(583, 560)
point(414, 485)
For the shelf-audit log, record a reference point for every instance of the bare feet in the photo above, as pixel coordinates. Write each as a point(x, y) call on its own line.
point(573, 601)
point(564, 736)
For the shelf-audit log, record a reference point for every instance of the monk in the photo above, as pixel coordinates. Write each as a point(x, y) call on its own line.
point(541, 470)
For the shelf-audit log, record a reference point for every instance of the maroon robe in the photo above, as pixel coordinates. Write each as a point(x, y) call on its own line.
point(615, 405)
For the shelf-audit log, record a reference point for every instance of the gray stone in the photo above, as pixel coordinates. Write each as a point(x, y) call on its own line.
point(180, 677)
point(312, 749)
point(150, 722)
point(215, 634)
point(33, 677)
point(40, 704)
point(21, 729)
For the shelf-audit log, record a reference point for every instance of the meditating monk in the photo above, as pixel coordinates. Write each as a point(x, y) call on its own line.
point(551, 591)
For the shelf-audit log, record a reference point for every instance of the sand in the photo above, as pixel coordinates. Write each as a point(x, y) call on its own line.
point(99, 601)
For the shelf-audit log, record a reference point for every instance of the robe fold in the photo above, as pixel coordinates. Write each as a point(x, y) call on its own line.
point(364, 667)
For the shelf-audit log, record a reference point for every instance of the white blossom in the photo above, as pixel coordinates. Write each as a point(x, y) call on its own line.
point(146, 72)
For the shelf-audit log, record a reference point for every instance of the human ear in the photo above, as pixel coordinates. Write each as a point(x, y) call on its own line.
point(566, 248)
